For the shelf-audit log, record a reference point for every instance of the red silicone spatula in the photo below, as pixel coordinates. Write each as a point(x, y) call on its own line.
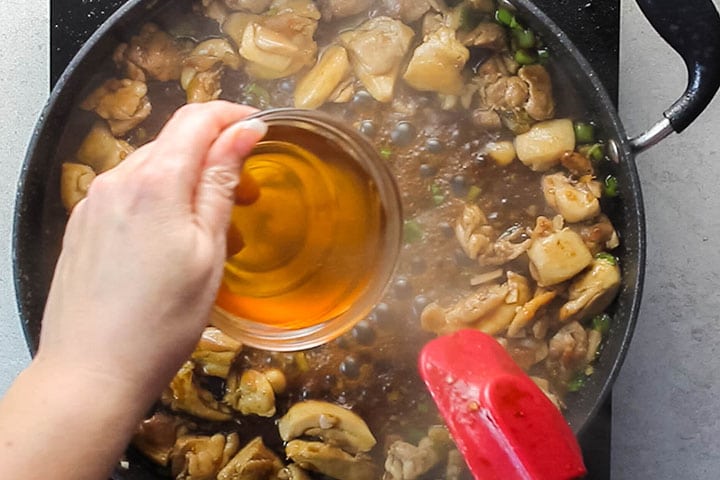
point(503, 424)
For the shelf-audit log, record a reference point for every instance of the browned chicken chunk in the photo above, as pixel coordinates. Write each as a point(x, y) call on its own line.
point(202, 458)
point(123, 103)
point(157, 435)
point(152, 54)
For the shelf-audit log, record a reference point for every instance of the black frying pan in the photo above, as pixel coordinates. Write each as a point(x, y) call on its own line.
point(692, 27)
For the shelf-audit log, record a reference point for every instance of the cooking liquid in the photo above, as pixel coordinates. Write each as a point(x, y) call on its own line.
point(310, 242)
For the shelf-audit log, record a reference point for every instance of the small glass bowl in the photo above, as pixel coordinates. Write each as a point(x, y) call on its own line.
point(357, 147)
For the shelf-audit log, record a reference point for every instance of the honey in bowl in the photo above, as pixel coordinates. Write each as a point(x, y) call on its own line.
point(314, 238)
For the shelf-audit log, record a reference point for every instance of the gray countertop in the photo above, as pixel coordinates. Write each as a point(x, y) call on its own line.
point(665, 421)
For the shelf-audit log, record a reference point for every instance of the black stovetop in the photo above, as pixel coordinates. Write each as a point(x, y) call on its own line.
point(593, 25)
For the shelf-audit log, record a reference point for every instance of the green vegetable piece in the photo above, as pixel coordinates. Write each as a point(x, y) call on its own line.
point(577, 384)
point(258, 96)
point(505, 17)
point(525, 38)
point(543, 55)
point(611, 186)
point(473, 193)
point(584, 133)
point(601, 323)
point(412, 231)
point(514, 23)
point(607, 257)
point(524, 57)
point(596, 152)
point(386, 153)
point(437, 194)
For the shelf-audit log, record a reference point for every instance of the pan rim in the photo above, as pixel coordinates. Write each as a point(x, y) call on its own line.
point(529, 10)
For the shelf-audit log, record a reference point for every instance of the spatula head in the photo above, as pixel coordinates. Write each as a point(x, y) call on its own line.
point(503, 424)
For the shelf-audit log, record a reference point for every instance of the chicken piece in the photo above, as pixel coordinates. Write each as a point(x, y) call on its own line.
point(251, 393)
point(502, 152)
point(184, 396)
point(279, 44)
point(235, 24)
point(211, 53)
point(518, 294)
point(528, 312)
point(204, 86)
point(408, 11)
point(540, 104)
point(318, 86)
point(101, 151)
point(487, 120)
point(336, 9)
point(487, 35)
point(593, 291)
point(527, 351)
point(201, 458)
point(216, 352)
point(474, 233)
point(556, 254)
point(252, 6)
point(577, 164)
point(600, 235)
point(123, 103)
point(75, 181)
point(594, 341)
point(466, 312)
point(506, 94)
point(568, 350)
point(254, 462)
point(576, 201)
point(437, 64)
point(157, 435)
point(377, 50)
point(408, 462)
point(330, 461)
point(152, 54)
point(543, 146)
point(203, 69)
point(331, 423)
point(520, 99)
point(293, 472)
point(489, 309)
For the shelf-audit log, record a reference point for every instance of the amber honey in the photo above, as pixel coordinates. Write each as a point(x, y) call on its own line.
point(313, 244)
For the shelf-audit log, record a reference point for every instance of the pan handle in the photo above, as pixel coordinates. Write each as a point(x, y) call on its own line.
point(692, 28)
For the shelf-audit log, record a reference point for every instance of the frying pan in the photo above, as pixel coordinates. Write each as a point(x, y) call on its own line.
point(691, 27)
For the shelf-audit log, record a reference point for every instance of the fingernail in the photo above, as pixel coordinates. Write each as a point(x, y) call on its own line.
point(254, 125)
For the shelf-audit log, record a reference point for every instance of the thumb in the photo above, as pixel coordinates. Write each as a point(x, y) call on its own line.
point(214, 198)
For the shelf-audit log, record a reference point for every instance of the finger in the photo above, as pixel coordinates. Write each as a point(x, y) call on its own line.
point(181, 148)
point(215, 194)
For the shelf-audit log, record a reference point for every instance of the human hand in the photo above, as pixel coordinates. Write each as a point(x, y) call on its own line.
point(143, 254)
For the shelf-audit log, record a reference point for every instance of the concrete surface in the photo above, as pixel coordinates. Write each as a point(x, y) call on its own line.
point(666, 400)
point(24, 83)
point(665, 421)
